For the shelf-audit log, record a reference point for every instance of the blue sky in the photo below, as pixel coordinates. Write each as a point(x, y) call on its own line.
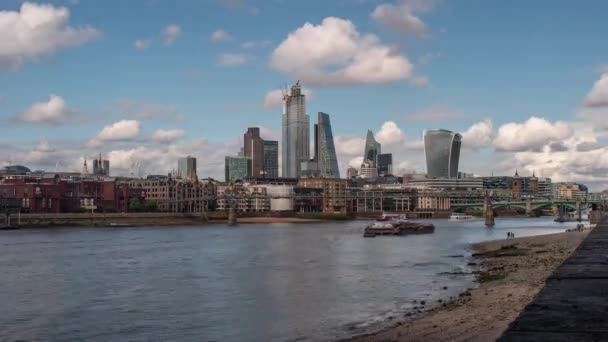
point(470, 62)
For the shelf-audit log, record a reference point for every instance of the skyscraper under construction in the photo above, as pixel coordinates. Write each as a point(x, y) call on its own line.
point(296, 132)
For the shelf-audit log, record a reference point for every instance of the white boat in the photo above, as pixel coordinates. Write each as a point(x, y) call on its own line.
point(458, 217)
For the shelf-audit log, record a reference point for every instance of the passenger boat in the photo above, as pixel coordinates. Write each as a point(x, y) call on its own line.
point(458, 217)
point(396, 225)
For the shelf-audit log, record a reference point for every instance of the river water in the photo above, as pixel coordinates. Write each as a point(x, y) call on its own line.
point(253, 282)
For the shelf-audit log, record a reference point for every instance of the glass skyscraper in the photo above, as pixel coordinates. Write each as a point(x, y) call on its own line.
point(237, 168)
point(385, 164)
point(271, 159)
point(325, 150)
point(372, 149)
point(442, 151)
point(296, 132)
point(186, 168)
point(253, 147)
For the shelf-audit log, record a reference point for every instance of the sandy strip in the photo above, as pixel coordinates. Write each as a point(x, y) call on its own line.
point(509, 278)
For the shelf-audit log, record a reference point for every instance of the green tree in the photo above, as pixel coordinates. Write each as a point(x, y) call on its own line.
point(151, 206)
point(134, 204)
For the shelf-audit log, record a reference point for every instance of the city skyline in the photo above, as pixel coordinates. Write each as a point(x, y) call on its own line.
point(165, 89)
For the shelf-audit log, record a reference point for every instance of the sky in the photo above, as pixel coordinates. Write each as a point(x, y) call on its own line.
point(146, 82)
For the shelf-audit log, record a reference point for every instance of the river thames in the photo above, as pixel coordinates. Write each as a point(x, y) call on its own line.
point(253, 282)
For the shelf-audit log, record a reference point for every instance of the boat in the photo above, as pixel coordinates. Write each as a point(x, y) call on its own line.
point(458, 217)
point(396, 225)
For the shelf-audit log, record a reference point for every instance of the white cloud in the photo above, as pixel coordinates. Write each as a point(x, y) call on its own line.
point(252, 44)
point(171, 33)
point(349, 146)
point(120, 130)
point(44, 146)
point(232, 59)
point(36, 31)
point(141, 44)
point(598, 96)
point(390, 134)
point(402, 17)
point(274, 98)
point(53, 111)
point(479, 135)
point(220, 36)
point(532, 134)
point(356, 162)
point(334, 52)
point(167, 135)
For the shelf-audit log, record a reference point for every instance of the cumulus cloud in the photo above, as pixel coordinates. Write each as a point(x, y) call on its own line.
point(53, 111)
point(44, 146)
point(36, 31)
point(530, 135)
point(167, 135)
point(587, 146)
point(558, 146)
point(120, 130)
point(141, 44)
point(220, 36)
point(349, 146)
point(598, 96)
point(334, 52)
point(171, 33)
point(403, 16)
point(274, 98)
point(479, 135)
point(232, 59)
point(390, 134)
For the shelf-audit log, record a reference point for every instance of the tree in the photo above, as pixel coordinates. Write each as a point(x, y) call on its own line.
point(151, 206)
point(134, 204)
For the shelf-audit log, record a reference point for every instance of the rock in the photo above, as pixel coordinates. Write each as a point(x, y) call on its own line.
point(472, 264)
point(440, 300)
point(422, 302)
point(445, 287)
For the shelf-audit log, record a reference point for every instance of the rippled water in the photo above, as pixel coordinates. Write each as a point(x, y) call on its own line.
point(254, 282)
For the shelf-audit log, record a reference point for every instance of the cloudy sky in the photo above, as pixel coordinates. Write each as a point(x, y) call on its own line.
point(145, 82)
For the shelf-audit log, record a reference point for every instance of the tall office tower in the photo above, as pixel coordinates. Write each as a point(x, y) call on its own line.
point(385, 164)
point(253, 147)
point(442, 151)
point(296, 132)
point(325, 150)
point(186, 168)
point(271, 159)
point(237, 168)
point(101, 167)
point(352, 172)
point(372, 149)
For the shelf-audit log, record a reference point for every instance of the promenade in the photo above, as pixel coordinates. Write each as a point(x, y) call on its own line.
point(573, 305)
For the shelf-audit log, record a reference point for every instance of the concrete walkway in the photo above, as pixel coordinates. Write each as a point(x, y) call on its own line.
point(573, 305)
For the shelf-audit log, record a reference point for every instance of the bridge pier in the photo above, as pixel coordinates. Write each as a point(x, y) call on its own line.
point(232, 217)
point(579, 216)
point(488, 210)
point(528, 207)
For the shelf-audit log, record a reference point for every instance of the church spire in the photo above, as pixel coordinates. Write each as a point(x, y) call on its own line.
point(516, 174)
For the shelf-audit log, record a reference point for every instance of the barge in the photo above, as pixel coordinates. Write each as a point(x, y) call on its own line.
point(396, 225)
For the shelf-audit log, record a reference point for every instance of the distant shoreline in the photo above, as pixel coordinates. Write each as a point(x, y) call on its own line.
point(509, 272)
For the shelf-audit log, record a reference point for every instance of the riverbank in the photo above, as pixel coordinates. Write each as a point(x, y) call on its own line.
point(510, 273)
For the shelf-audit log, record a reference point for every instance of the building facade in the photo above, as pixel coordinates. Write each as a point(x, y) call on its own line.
point(253, 147)
point(372, 149)
point(295, 131)
point(101, 167)
point(271, 159)
point(334, 192)
point(236, 168)
point(385, 164)
point(325, 150)
point(186, 168)
point(442, 152)
point(368, 170)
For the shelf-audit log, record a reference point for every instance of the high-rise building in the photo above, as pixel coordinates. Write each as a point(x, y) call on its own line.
point(296, 132)
point(368, 170)
point(442, 151)
point(372, 148)
point(253, 147)
point(237, 168)
point(186, 168)
point(325, 150)
point(352, 172)
point(101, 167)
point(271, 159)
point(385, 164)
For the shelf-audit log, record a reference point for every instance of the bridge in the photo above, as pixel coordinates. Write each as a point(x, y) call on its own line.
point(531, 205)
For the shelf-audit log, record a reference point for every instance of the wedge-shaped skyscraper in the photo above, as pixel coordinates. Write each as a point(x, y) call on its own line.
point(442, 151)
point(325, 150)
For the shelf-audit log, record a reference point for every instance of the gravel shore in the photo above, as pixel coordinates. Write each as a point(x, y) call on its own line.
point(510, 274)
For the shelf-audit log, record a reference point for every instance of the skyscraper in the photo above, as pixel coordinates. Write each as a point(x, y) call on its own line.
point(442, 151)
point(325, 150)
point(296, 132)
point(186, 168)
point(385, 164)
point(237, 168)
point(271, 159)
point(372, 149)
point(253, 147)
point(101, 167)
